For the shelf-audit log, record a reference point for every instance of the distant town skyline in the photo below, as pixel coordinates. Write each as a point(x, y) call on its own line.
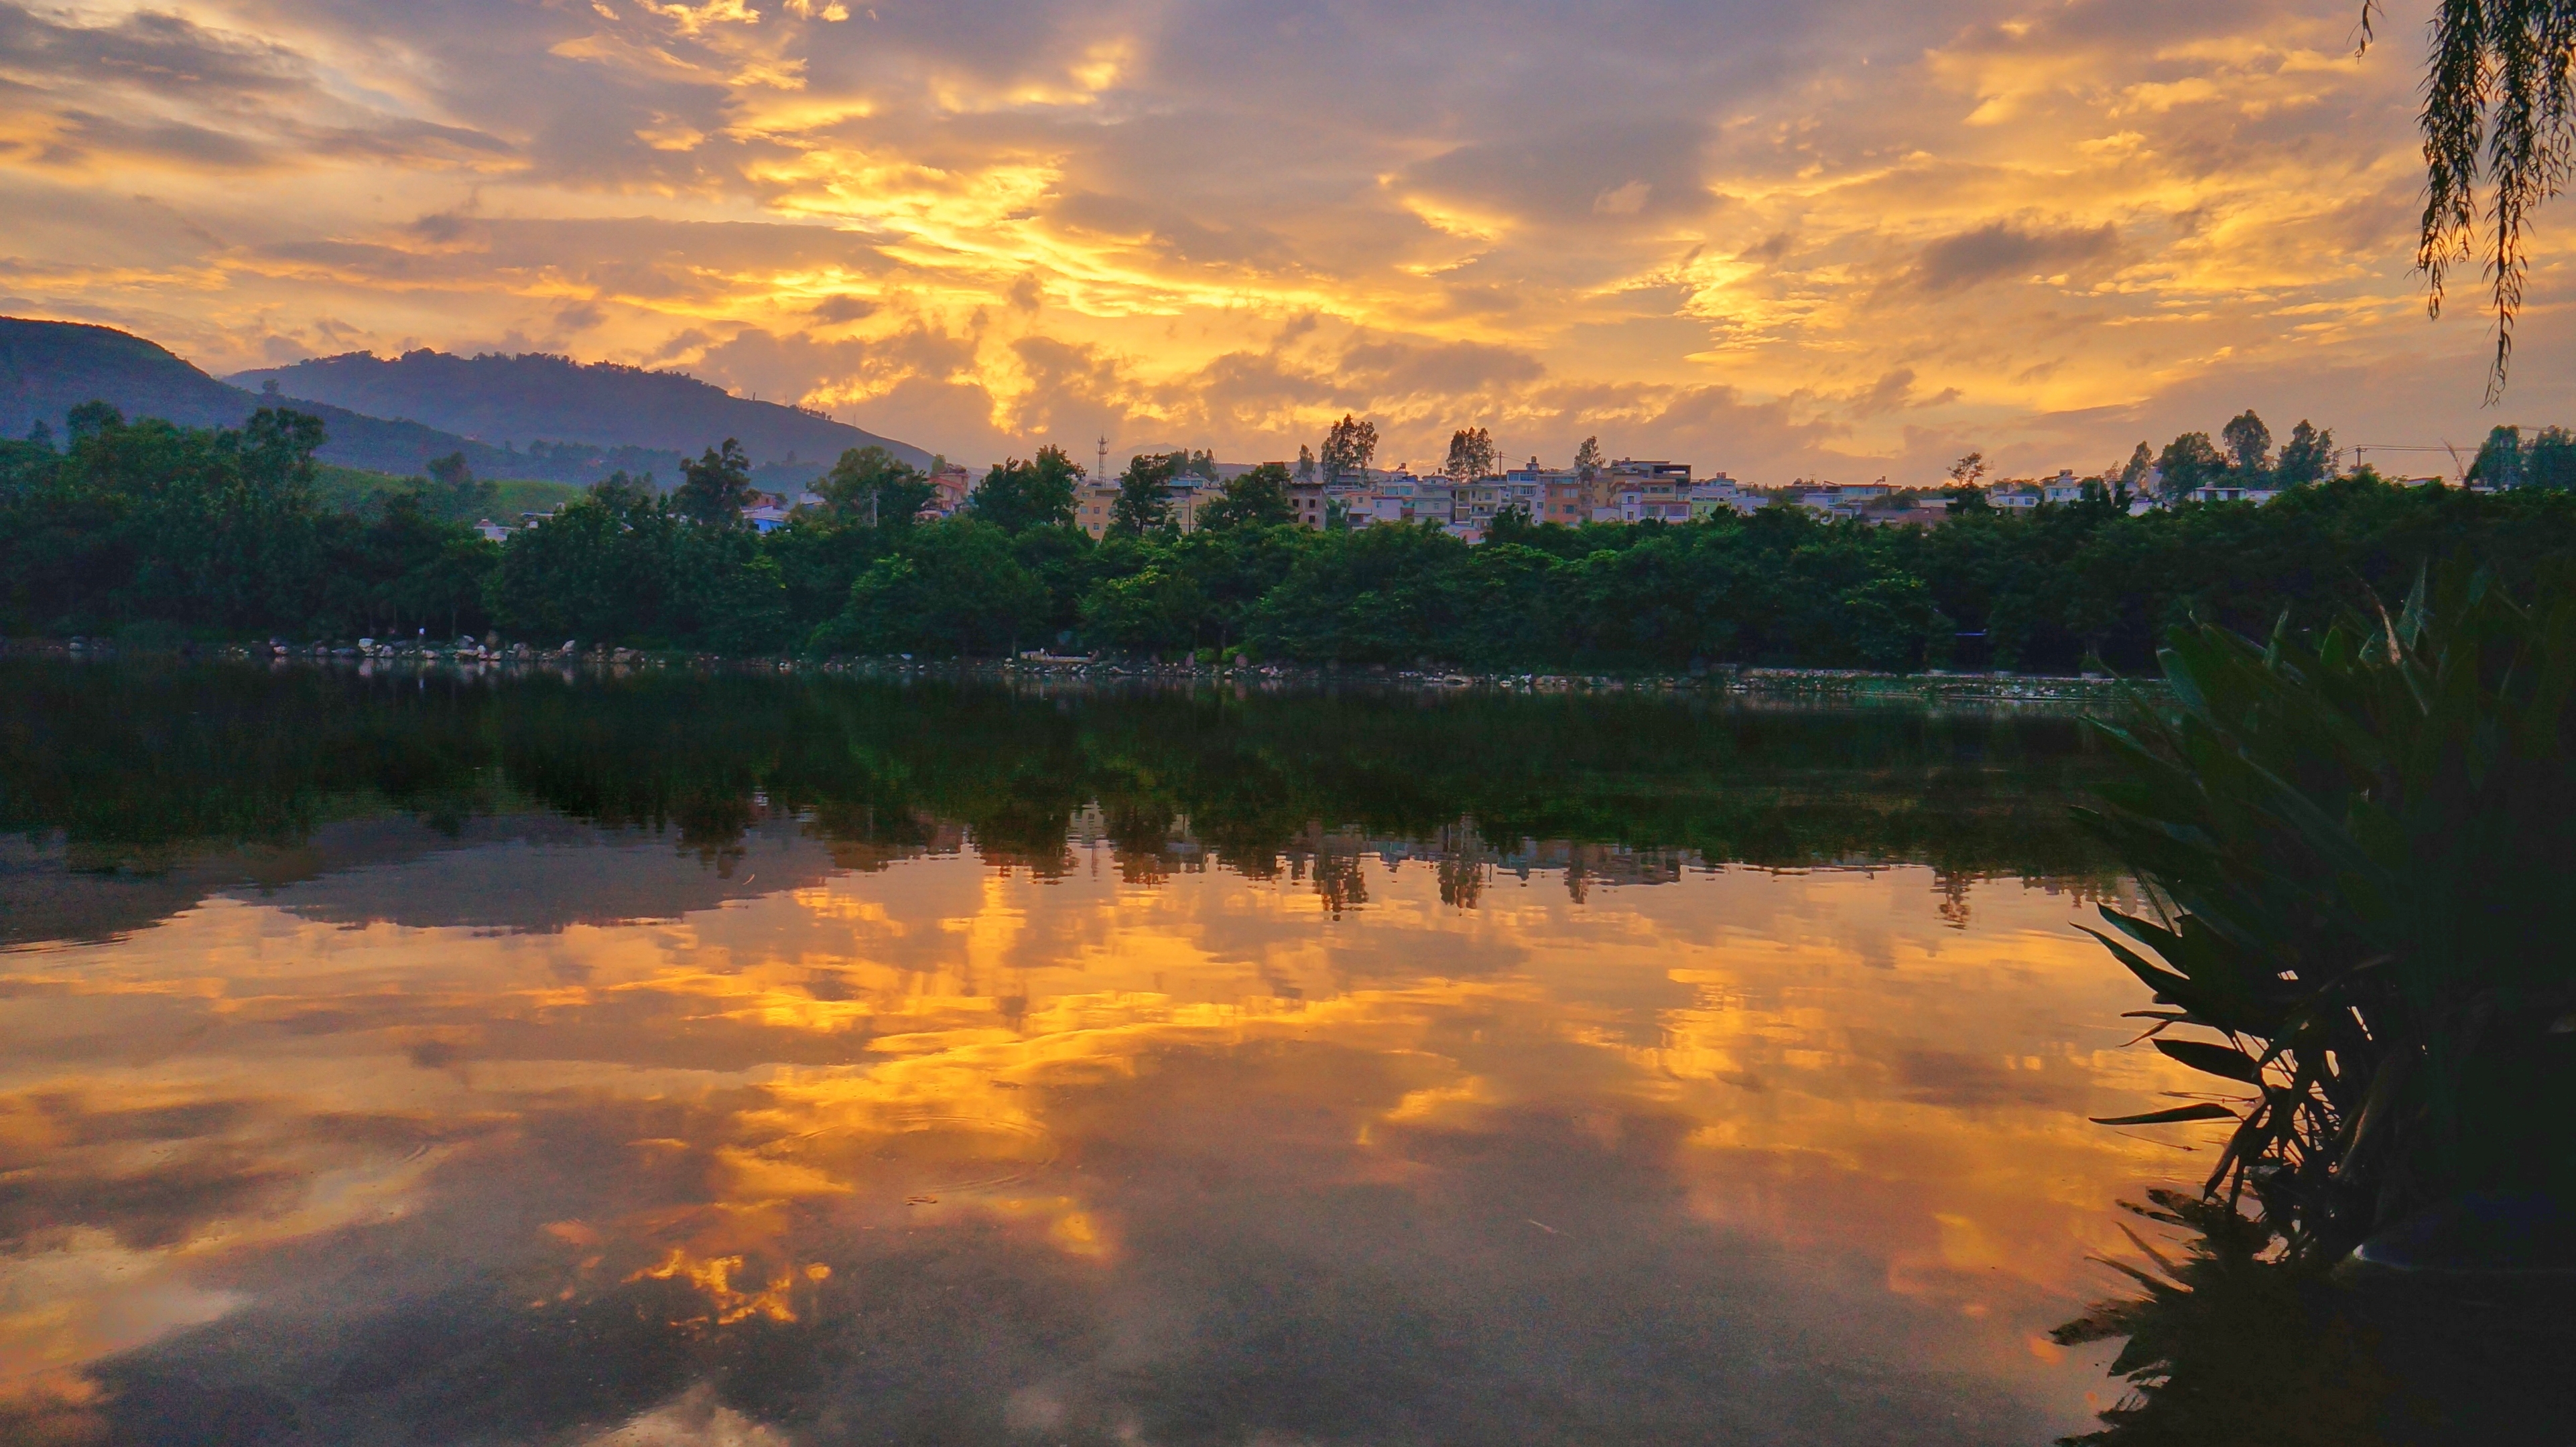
point(1839, 240)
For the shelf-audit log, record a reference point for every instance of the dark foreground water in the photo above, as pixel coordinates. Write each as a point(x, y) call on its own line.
point(738, 1060)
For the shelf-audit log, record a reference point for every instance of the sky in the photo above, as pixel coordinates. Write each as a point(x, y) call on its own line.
point(1838, 240)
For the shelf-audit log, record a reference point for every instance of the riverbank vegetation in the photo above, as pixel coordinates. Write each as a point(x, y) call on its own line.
point(2352, 839)
point(145, 528)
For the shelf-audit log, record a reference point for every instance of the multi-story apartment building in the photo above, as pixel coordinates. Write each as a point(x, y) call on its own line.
point(1091, 504)
point(1635, 489)
point(1094, 503)
point(951, 485)
point(1722, 494)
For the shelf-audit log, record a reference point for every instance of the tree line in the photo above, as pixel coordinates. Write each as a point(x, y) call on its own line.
point(147, 529)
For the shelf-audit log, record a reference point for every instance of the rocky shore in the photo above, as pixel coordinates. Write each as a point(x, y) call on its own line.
point(1823, 685)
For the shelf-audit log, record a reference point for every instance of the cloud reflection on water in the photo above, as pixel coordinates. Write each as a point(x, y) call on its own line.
point(948, 1151)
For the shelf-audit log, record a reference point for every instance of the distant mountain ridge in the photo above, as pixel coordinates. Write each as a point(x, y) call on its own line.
point(538, 396)
point(48, 367)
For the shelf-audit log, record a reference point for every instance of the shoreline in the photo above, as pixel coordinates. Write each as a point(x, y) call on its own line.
point(1820, 685)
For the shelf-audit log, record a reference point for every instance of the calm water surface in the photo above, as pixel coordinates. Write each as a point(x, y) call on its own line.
point(403, 1059)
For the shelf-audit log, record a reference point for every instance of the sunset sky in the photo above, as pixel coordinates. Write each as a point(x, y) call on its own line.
point(1838, 239)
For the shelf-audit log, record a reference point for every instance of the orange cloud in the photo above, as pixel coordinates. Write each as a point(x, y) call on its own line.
point(1705, 231)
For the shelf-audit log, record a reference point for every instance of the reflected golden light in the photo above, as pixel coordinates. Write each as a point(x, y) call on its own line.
point(1840, 1072)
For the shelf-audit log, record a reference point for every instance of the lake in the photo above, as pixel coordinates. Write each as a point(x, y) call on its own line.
point(402, 1056)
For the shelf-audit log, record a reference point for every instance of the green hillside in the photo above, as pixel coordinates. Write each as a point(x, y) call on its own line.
point(353, 489)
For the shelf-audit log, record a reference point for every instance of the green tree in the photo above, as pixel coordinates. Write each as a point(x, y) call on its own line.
point(1257, 497)
point(1016, 496)
point(2132, 474)
point(1348, 448)
point(2499, 459)
point(2248, 444)
point(1144, 503)
point(2550, 460)
point(453, 491)
point(1894, 623)
point(1471, 454)
point(1587, 459)
point(1158, 607)
point(602, 568)
point(714, 488)
point(2309, 456)
point(871, 487)
point(2506, 460)
point(949, 587)
point(1305, 463)
point(417, 570)
point(2190, 462)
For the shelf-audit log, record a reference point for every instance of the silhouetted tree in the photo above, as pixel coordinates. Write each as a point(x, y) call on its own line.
point(2189, 462)
point(714, 488)
point(1256, 498)
point(2309, 456)
point(872, 487)
point(1348, 447)
point(2248, 443)
point(1016, 496)
point(1144, 503)
point(1471, 454)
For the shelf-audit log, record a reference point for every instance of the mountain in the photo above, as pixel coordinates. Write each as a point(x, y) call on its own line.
point(48, 368)
point(534, 396)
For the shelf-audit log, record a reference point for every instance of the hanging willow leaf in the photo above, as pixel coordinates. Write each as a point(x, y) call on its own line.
point(2499, 118)
point(2206, 1110)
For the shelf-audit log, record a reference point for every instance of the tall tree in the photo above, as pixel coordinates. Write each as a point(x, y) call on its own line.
point(454, 493)
point(2189, 462)
point(2549, 460)
point(714, 488)
point(1305, 463)
point(2132, 475)
point(2309, 456)
point(1017, 496)
point(1587, 459)
point(1348, 447)
point(1966, 492)
point(2248, 443)
point(1471, 454)
point(1256, 498)
point(2499, 460)
point(1144, 502)
point(872, 487)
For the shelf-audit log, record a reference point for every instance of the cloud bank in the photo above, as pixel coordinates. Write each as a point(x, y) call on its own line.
point(1843, 239)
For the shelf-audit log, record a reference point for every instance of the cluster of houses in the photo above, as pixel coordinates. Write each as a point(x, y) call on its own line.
point(1627, 491)
point(1630, 490)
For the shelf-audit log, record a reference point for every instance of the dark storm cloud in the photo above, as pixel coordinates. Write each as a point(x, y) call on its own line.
point(170, 54)
point(2002, 249)
point(199, 98)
